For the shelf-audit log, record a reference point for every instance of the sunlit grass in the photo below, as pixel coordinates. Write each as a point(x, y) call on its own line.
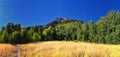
point(7, 50)
point(115, 51)
point(68, 49)
point(61, 49)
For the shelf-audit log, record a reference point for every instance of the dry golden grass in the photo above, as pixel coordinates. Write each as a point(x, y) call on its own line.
point(68, 49)
point(7, 50)
point(60, 49)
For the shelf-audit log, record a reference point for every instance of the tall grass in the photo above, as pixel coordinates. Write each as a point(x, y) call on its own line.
point(7, 50)
point(68, 49)
point(60, 49)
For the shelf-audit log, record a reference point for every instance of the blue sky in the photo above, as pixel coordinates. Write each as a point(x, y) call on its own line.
point(36, 12)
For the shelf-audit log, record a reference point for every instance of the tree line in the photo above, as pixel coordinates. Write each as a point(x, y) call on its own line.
point(106, 30)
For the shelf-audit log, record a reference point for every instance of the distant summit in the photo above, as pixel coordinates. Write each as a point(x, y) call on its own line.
point(62, 20)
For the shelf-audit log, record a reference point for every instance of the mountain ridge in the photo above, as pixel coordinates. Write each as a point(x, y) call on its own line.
point(62, 20)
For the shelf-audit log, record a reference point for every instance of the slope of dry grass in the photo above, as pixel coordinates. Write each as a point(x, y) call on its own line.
point(7, 50)
point(60, 49)
point(68, 49)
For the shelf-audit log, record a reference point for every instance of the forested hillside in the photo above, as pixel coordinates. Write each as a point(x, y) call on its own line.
point(106, 30)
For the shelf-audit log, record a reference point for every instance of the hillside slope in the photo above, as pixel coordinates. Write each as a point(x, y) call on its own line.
point(63, 21)
point(60, 49)
point(68, 49)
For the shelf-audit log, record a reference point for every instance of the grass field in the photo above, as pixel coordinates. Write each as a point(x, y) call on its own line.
point(7, 50)
point(61, 49)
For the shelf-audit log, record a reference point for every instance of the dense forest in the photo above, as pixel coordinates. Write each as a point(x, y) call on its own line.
point(106, 30)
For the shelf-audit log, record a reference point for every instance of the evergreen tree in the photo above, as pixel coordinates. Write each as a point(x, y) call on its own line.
point(24, 36)
point(30, 33)
point(10, 27)
point(79, 34)
point(48, 33)
point(5, 37)
point(85, 32)
point(92, 31)
point(36, 37)
point(17, 38)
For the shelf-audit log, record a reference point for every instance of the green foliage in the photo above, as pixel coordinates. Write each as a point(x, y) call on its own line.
point(10, 28)
point(5, 36)
point(49, 33)
point(30, 34)
point(24, 36)
point(92, 31)
point(16, 37)
point(36, 37)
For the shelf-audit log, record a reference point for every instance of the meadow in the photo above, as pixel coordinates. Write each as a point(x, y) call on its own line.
point(60, 49)
point(7, 50)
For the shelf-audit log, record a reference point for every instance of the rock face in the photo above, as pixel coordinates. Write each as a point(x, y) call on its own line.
point(62, 20)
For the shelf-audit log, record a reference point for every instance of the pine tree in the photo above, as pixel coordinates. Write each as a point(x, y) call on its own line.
point(92, 31)
point(36, 37)
point(85, 32)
